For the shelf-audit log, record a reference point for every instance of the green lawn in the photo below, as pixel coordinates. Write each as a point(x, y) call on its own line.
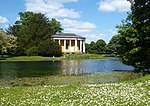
point(66, 56)
point(83, 56)
point(28, 58)
point(131, 93)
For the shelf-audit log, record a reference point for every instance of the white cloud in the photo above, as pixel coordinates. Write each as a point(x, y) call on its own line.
point(52, 8)
point(93, 37)
point(66, 1)
point(105, 35)
point(86, 29)
point(114, 5)
point(3, 20)
point(4, 23)
point(74, 26)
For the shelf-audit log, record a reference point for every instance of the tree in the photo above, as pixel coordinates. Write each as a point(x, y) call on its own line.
point(8, 43)
point(31, 29)
point(87, 47)
point(35, 31)
point(3, 42)
point(96, 48)
point(135, 36)
point(20, 24)
point(141, 22)
point(49, 48)
point(100, 46)
point(55, 26)
point(91, 48)
point(13, 29)
point(113, 46)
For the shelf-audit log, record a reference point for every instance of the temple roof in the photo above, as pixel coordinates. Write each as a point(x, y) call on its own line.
point(67, 35)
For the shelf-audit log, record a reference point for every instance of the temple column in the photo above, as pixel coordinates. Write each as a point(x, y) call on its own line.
point(64, 45)
point(59, 42)
point(84, 46)
point(70, 46)
point(75, 45)
point(81, 46)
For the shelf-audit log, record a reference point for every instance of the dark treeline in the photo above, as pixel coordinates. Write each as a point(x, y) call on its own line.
point(100, 47)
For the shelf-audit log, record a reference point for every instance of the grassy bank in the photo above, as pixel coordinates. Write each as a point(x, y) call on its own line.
point(66, 56)
point(99, 78)
point(28, 58)
point(83, 56)
point(132, 93)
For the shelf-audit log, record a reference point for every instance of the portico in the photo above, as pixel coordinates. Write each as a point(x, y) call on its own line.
point(70, 43)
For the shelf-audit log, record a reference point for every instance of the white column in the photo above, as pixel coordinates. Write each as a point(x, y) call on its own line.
point(84, 46)
point(81, 46)
point(75, 45)
point(64, 45)
point(59, 42)
point(70, 46)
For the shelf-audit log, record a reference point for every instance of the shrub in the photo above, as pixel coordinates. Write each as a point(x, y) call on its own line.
point(49, 48)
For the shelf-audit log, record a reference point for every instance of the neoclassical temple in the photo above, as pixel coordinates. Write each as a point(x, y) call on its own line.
point(70, 43)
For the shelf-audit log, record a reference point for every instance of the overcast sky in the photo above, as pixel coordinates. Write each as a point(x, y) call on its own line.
point(93, 19)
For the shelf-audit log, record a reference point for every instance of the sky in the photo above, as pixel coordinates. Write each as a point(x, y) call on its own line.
point(93, 19)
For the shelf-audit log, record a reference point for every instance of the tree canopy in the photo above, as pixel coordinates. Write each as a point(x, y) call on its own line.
point(134, 35)
point(96, 48)
point(32, 29)
point(8, 43)
point(113, 46)
point(49, 48)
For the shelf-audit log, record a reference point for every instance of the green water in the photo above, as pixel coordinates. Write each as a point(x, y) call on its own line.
point(11, 70)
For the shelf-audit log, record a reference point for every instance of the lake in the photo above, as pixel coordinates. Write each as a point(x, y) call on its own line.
point(11, 70)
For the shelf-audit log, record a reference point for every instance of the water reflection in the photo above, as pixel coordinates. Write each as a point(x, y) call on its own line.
point(11, 70)
point(76, 67)
point(71, 67)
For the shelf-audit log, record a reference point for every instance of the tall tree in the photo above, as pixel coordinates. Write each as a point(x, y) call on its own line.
point(91, 48)
point(20, 23)
point(55, 26)
point(35, 30)
point(31, 29)
point(141, 22)
point(113, 46)
point(100, 46)
point(135, 36)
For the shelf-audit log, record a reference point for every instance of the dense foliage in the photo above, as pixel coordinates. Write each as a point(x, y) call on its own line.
point(32, 29)
point(134, 35)
point(113, 46)
point(8, 43)
point(49, 48)
point(96, 48)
